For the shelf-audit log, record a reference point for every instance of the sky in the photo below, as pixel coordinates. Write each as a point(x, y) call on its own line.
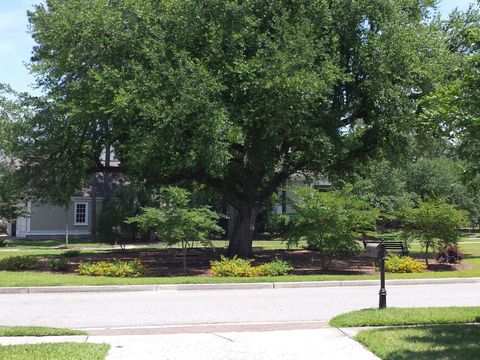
point(16, 44)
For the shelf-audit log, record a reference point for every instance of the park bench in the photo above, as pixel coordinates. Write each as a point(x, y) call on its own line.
point(390, 245)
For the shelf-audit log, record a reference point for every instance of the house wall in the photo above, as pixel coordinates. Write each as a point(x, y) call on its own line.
point(297, 181)
point(49, 220)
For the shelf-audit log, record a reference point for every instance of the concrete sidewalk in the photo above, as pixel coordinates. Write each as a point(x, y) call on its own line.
point(314, 344)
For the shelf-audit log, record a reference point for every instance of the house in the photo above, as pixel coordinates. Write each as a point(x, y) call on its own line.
point(50, 221)
point(78, 219)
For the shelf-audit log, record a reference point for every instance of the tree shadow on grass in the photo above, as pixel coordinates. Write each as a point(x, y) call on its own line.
point(431, 342)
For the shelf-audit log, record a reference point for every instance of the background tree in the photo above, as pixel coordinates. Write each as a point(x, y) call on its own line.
point(11, 197)
point(453, 108)
point(237, 95)
point(383, 186)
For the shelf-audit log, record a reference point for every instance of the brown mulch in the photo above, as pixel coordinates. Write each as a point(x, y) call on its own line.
point(168, 262)
point(435, 266)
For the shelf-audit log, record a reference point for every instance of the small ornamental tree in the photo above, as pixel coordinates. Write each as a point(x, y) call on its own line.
point(434, 222)
point(177, 222)
point(328, 221)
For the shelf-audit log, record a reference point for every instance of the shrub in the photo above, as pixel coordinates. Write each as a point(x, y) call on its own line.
point(435, 222)
point(15, 263)
point(403, 264)
point(236, 267)
point(449, 254)
point(71, 253)
point(58, 264)
point(116, 269)
point(276, 267)
point(328, 221)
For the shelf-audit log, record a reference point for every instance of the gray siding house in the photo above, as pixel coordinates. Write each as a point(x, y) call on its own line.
point(47, 221)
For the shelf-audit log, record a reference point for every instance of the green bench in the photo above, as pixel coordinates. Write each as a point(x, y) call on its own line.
point(390, 245)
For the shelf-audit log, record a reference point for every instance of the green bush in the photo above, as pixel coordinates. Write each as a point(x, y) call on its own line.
point(116, 269)
point(236, 267)
point(276, 267)
point(15, 263)
point(329, 222)
point(58, 264)
point(434, 222)
point(403, 264)
point(71, 253)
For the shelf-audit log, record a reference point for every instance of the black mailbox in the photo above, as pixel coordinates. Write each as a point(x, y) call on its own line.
point(373, 250)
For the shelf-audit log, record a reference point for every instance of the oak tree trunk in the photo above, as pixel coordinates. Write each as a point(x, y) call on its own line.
point(241, 240)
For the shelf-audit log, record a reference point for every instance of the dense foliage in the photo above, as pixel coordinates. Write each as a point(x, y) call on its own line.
point(236, 95)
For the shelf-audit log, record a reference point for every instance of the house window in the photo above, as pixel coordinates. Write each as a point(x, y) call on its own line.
point(81, 213)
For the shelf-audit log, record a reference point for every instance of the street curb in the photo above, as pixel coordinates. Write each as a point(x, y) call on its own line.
point(229, 286)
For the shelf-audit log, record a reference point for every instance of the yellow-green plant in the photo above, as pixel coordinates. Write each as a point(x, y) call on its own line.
point(236, 267)
point(403, 264)
point(133, 268)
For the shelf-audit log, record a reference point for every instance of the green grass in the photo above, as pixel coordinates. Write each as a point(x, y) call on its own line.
point(26, 244)
point(407, 316)
point(426, 342)
point(57, 351)
point(37, 331)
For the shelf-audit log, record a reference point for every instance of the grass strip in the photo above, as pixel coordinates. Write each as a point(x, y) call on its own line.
point(57, 351)
point(37, 331)
point(33, 279)
point(407, 316)
point(425, 342)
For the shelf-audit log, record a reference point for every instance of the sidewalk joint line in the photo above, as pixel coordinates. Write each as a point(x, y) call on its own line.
point(343, 332)
point(223, 337)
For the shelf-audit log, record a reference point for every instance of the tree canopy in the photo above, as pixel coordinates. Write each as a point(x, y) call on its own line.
point(236, 95)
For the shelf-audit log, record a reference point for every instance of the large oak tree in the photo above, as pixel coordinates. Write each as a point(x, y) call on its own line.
point(235, 94)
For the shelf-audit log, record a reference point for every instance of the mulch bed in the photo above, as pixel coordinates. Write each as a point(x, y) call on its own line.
point(168, 262)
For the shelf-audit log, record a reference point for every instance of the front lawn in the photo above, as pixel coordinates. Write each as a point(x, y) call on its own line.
point(424, 342)
point(407, 316)
point(57, 351)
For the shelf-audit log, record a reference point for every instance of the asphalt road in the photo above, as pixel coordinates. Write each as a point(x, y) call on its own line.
point(165, 308)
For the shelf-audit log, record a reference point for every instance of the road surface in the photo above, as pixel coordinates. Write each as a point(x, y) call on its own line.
point(207, 307)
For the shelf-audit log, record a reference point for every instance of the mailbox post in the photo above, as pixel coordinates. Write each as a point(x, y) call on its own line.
point(383, 292)
point(377, 251)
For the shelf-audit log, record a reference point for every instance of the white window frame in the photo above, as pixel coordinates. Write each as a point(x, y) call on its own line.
point(75, 213)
